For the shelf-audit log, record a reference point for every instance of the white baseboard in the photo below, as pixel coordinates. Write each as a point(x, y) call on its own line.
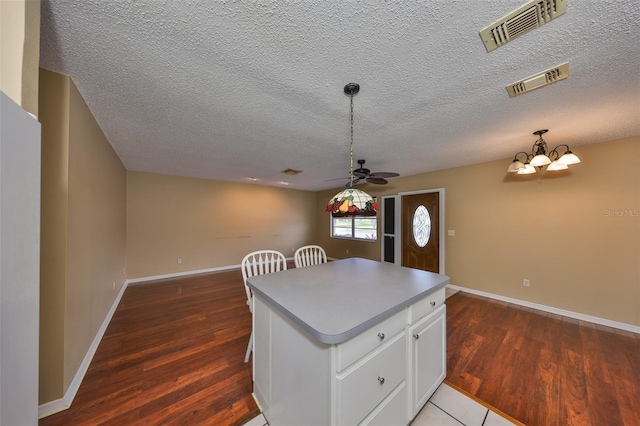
point(181, 274)
point(58, 405)
point(186, 273)
point(551, 309)
point(52, 407)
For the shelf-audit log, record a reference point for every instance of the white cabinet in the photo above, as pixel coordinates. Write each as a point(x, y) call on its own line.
point(427, 357)
point(381, 376)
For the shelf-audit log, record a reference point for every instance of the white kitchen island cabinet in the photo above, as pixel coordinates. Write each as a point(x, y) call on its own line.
point(334, 344)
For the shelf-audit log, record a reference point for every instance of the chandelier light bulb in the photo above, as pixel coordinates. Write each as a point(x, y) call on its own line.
point(557, 165)
point(540, 160)
point(527, 170)
point(569, 158)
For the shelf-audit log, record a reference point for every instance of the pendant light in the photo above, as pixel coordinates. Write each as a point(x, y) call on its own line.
point(352, 201)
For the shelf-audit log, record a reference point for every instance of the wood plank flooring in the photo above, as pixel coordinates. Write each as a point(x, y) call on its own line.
point(173, 355)
point(541, 368)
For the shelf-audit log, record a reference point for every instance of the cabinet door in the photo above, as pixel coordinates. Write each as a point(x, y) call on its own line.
point(428, 358)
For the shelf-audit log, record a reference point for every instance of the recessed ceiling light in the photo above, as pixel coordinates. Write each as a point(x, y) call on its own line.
point(284, 183)
point(251, 178)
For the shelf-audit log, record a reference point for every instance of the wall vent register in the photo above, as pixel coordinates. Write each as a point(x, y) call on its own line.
point(539, 80)
point(522, 20)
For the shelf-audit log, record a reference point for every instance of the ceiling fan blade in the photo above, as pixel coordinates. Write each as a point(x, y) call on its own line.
point(383, 175)
point(377, 181)
point(342, 178)
point(355, 180)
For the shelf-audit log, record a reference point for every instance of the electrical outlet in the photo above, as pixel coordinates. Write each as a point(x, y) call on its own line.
point(114, 285)
point(526, 283)
point(451, 233)
point(347, 251)
point(179, 261)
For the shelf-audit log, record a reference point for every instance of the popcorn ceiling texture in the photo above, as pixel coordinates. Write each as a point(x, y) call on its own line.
point(230, 89)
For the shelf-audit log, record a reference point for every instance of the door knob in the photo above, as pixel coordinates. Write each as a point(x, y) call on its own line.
point(381, 380)
point(381, 336)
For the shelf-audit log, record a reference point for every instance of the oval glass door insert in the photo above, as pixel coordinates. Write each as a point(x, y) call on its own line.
point(421, 226)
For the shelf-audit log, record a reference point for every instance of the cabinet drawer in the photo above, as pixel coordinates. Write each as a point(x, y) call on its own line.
point(426, 306)
point(360, 345)
point(392, 411)
point(370, 381)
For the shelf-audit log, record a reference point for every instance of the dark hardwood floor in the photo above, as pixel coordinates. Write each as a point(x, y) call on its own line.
point(173, 355)
point(541, 368)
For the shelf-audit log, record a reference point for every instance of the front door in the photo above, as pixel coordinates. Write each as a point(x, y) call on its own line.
point(421, 231)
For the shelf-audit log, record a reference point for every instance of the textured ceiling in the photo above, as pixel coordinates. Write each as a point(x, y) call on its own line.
point(228, 90)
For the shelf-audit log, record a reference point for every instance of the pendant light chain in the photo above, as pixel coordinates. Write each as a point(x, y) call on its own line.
point(351, 147)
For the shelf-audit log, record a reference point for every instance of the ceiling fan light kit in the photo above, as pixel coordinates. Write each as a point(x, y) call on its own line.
point(540, 156)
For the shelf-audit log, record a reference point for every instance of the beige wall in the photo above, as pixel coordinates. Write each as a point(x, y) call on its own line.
point(20, 51)
point(575, 234)
point(97, 223)
point(209, 223)
point(54, 105)
point(83, 230)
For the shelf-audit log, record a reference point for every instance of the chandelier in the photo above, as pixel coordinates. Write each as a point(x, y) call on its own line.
point(352, 201)
point(539, 157)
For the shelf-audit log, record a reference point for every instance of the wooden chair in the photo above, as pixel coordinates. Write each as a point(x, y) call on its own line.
point(309, 255)
point(258, 263)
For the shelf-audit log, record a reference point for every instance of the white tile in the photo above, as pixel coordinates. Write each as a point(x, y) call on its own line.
point(433, 416)
point(458, 405)
point(257, 421)
point(495, 420)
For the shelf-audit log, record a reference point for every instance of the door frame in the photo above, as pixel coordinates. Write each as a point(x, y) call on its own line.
point(397, 249)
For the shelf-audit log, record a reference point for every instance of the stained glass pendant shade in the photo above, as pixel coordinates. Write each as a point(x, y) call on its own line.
point(352, 201)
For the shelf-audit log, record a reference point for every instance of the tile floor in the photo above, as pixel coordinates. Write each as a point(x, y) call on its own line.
point(447, 407)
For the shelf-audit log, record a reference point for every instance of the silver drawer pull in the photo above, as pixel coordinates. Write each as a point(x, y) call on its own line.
point(381, 336)
point(416, 336)
point(433, 303)
point(381, 380)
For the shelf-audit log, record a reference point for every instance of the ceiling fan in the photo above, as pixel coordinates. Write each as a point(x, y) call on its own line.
point(378, 178)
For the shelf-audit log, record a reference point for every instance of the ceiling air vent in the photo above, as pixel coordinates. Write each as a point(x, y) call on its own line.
point(521, 21)
point(538, 80)
point(291, 171)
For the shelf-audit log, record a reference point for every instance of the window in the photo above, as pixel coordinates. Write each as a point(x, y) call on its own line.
point(421, 226)
point(355, 227)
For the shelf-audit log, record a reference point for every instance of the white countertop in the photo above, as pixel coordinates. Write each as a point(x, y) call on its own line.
point(338, 300)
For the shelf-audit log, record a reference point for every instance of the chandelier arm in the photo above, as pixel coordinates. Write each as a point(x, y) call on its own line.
point(515, 157)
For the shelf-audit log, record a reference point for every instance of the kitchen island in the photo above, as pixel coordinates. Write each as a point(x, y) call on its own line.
point(353, 341)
